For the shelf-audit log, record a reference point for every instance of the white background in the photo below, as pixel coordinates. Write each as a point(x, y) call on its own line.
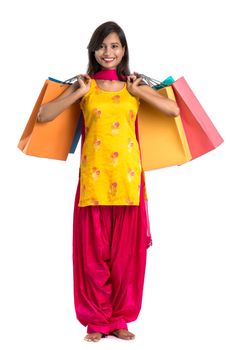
point(188, 292)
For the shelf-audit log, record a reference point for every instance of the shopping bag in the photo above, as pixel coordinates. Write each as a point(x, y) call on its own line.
point(163, 142)
point(200, 133)
point(53, 139)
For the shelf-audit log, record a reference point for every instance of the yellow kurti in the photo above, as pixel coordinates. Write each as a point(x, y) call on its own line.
point(110, 165)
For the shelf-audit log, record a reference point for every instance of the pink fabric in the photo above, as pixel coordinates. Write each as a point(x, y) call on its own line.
point(109, 260)
point(145, 201)
point(107, 74)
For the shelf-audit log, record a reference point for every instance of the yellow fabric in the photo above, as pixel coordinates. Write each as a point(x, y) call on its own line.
point(110, 165)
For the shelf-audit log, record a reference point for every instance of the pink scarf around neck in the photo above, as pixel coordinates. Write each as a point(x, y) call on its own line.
point(107, 74)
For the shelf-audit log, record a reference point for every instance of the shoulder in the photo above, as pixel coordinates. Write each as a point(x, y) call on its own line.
point(85, 97)
point(92, 87)
point(93, 82)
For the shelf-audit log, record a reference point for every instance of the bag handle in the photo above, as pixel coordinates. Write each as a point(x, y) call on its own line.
point(149, 81)
point(157, 84)
point(154, 83)
point(73, 79)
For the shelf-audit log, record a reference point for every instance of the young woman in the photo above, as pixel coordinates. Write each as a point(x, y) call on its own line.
point(111, 230)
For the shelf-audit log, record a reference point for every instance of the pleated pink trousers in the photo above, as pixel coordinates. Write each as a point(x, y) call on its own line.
point(109, 261)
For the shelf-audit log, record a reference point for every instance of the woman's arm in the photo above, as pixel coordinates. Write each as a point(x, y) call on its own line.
point(50, 110)
point(152, 97)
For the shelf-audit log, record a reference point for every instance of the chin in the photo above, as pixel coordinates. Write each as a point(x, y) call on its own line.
point(108, 67)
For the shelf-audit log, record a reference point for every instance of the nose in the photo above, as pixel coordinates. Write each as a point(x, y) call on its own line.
point(107, 50)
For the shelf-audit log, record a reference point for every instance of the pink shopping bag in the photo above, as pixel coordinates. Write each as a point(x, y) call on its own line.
point(202, 136)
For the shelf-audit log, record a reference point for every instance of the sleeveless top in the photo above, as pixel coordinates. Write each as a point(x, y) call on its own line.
point(110, 164)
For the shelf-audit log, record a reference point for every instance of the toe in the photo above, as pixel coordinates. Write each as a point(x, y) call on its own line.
point(93, 336)
point(123, 334)
point(87, 338)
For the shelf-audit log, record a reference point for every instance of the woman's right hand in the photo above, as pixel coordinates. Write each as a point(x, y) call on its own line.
point(82, 85)
point(50, 110)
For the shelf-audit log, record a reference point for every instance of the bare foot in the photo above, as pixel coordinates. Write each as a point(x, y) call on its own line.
point(96, 336)
point(123, 334)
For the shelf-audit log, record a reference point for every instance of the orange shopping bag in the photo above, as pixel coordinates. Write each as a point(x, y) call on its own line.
point(52, 139)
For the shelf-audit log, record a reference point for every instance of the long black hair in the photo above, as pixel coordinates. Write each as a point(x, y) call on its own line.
point(95, 42)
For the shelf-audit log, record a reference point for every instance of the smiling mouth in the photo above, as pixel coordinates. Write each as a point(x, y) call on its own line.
point(108, 60)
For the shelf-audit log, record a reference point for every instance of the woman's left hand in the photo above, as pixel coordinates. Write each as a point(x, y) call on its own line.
point(133, 84)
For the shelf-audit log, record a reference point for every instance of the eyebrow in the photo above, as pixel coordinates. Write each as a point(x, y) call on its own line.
point(111, 43)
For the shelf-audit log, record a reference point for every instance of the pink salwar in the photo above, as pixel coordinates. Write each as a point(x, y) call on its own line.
point(109, 260)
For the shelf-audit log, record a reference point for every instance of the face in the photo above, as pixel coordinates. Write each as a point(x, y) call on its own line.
point(110, 53)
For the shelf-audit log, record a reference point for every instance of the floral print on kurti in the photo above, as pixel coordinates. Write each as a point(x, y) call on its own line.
point(110, 165)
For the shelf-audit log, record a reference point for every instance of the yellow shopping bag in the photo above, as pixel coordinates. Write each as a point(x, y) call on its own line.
point(162, 138)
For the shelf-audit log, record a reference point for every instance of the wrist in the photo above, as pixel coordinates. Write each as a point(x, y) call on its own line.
point(139, 93)
point(79, 94)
